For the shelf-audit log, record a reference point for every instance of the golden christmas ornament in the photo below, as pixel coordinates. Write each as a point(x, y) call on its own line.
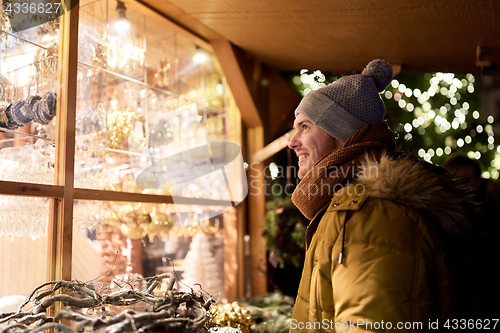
point(120, 126)
point(45, 62)
point(5, 21)
point(132, 231)
point(131, 186)
point(161, 225)
point(136, 221)
point(232, 315)
point(127, 214)
point(144, 219)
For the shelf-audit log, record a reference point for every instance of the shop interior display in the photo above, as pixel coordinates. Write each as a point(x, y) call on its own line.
point(141, 97)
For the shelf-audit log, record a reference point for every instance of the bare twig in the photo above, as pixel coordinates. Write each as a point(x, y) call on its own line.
point(57, 326)
point(109, 272)
point(13, 327)
point(174, 311)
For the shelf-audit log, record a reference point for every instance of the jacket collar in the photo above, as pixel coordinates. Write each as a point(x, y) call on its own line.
point(313, 225)
point(408, 181)
point(426, 187)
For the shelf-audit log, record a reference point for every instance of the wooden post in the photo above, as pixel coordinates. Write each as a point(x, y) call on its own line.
point(234, 219)
point(256, 213)
point(61, 209)
point(231, 276)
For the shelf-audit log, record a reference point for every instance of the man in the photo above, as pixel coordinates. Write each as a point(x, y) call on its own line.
point(383, 224)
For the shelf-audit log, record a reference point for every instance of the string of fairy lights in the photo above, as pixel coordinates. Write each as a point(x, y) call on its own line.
point(439, 118)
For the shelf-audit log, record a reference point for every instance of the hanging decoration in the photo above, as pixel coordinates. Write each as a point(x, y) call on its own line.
point(3, 87)
point(5, 19)
point(21, 112)
point(120, 55)
point(162, 77)
point(120, 126)
point(2, 90)
point(137, 221)
point(45, 63)
point(214, 92)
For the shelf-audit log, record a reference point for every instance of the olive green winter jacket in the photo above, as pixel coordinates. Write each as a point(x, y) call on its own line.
point(375, 257)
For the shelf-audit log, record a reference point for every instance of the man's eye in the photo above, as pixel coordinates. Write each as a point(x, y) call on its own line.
point(304, 127)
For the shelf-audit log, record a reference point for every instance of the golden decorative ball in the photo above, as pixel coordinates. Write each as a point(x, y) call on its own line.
point(132, 231)
point(161, 224)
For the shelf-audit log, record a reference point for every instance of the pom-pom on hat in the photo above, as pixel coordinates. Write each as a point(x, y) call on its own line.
point(344, 106)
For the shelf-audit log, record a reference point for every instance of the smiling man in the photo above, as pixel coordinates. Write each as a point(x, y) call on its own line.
point(384, 226)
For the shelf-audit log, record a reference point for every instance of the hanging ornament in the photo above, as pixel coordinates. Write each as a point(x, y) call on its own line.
point(2, 90)
point(161, 225)
point(162, 75)
point(4, 84)
point(45, 62)
point(5, 20)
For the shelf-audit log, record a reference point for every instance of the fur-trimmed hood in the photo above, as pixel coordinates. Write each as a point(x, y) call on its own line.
point(430, 189)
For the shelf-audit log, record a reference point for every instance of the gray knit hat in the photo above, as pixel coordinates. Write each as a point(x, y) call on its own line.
point(344, 106)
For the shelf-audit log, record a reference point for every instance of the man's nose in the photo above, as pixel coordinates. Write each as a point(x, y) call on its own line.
point(294, 142)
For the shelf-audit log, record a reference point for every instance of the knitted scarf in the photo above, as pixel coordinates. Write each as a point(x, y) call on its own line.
point(333, 171)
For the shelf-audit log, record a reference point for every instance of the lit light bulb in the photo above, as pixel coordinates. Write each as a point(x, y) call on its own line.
point(199, 55)
point(121, 24)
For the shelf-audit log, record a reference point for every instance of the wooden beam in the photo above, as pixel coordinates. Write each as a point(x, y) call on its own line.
point(87, 194)
point(31, 190)
point(230, 255)
point(241, 219)
point(235, 219)
point(236, 81)
point(57, 191)
point(282, 142)
point(61, 209)
point(256, 214)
